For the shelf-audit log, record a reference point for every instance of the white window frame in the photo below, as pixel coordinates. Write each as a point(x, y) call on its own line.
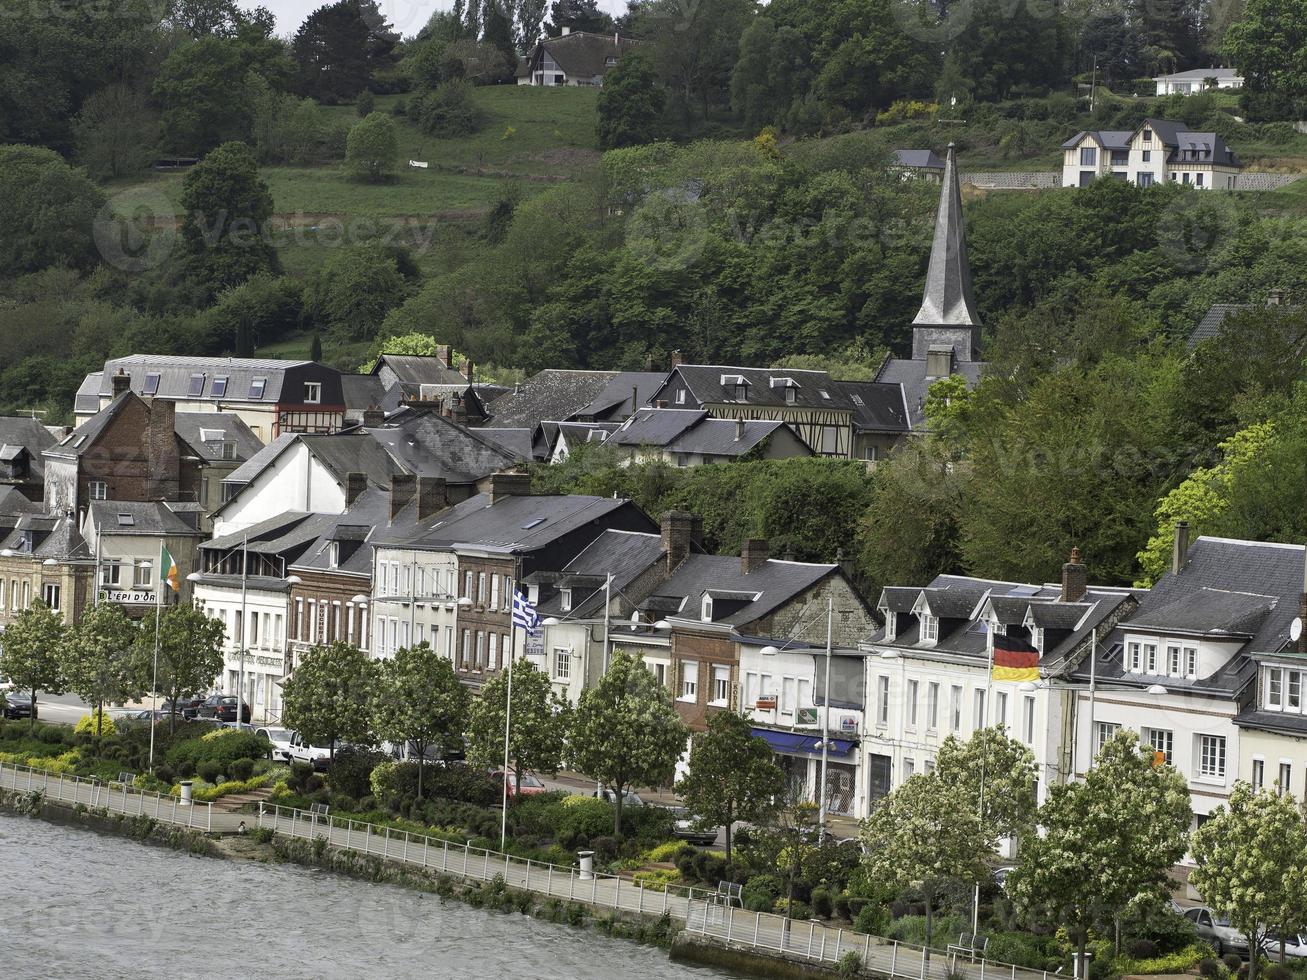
point(955, 708)
point(932, 706)
point(1028, 719)
point(1212, 757)
point(689, 690)
point(1164, 736)
point(913, 693)
point(562, 664)
point(49, 595)
point(312, 392)
point(929, 628)
point(97, 489)
point(721, 683)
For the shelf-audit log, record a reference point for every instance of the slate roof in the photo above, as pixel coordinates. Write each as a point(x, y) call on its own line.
point(918, 159)
point(911, 376)
point(206, 432)
point(60, 538)
point(365, 391)
point(371, 509)
point(947, 299)
point(426, 444)
point(1213, 321)
point(723, 437)
point(769, 586)
point(567, 396)
point(657, 426)
point(260, 535)
point(615, 398)
point(623, 554)
point(13, 502)
point(136, 517)
point(81, 439)
point(175, 374)
point(31, 435)
point(87, 399)
point(1228, 590)
point(515, 442)
point(1108, 139)
point(252, 467)
point(414, 369)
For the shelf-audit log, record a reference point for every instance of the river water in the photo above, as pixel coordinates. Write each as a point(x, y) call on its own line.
point(75, 903)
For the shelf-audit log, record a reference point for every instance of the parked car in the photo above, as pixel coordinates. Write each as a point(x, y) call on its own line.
point(280, 739)
point(688, 829)
point(629, 798)
point(6, 684)
point(187, 707)
point(1000, 876)
point(19, 705)
point(1216, 929)
point(318, 756)
point(531, 784)
point(223, 708)
point(1294, 945)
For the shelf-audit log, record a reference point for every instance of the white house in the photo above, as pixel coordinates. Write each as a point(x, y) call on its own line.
point(1198, 80)
point(1158, 151)
point(575, 58)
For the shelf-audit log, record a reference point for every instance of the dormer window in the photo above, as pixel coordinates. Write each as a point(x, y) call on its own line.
point(334, 554)
point(891, 626)
point(706, 610)
point(791, 394)
point(196, 388)
point(151, 383)
point(741, 392)
point(565, 597)
point(219, 388)
point(737, 385)
point(1037, 638)
point(929, 627)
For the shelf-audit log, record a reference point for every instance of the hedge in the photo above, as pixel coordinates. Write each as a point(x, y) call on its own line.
point(1181, 962)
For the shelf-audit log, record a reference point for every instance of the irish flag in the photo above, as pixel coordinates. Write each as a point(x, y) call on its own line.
point(168, 569)
point(1014, 659)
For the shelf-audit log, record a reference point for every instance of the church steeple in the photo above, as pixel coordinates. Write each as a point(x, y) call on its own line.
point(948, 315)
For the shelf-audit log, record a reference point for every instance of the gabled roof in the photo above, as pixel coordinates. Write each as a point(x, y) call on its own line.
point(416, 369)
point(615, 399)
point(623, 554)
point(774, 583)
point(207, 432)
point(581, 54)
point(60, 538)
point(1213, 321)
point(252, 467)
point(727, 437)
point(136, 517)
point(918, 159)
point(911, 376)
point(1108, 139)
point(1198, 75)
point(26, 433)
point(426, 444)
point(365, 391)
point(87, 399)
point(82, 438)
point(350, 530)
point(656, 426)
point(947, 298)
point(552, 395)
point(175, 373)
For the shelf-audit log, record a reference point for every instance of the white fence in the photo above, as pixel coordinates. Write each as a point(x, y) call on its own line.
point(116, 797)
point(703, 911)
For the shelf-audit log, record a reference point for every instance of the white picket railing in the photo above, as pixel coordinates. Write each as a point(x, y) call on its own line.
point(703, 911)
point(114, 796)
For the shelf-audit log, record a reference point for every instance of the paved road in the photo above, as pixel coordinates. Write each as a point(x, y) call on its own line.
point(60, 709)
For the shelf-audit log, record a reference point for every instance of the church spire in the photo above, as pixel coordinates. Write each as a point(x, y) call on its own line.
point(947, 300)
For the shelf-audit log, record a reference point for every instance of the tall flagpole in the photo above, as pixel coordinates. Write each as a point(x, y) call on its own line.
point(508, 711)
point(984, 759)
point(154, 683)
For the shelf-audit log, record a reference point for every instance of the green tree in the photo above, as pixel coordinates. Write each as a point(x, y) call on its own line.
point(227, 206)
point(538, 733)
point(116, 132)
point(416, 344)
point(201, 90)
point(694, 48)
point(47, 212)
point(353, 291)
point(626, 732)
point(1252, 865)
point(372, 148)
point(732, 775)
point(190, 651)
point(630, 104)
point(448, 110)
point(1001, 768)
point(329, 696)
point(1268, 46)
point(30, 654)
point(340, 47)
point(100, 660)
point(1107, 840)
point(926, 832)
point(578, 15)
point(419, 700)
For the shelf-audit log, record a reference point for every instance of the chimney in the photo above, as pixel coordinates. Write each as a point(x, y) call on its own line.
point(635, 399)
point(164, 476)
point(442, 354)
point(433, 496)
point(122, 382)
point(355, 484)
point(1180, 550)
point(753, 554)
point(470, 371)
point(1075, 580)
point(373, 417)
point(739, 429)
point(566, 31)
point(402, 486)
point(1275, 297)
point(841, 559)
point(509, 485)
point(678, 532)
point(677, 359)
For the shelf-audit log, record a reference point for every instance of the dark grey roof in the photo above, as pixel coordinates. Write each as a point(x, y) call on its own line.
point(350, 531)
point(947, 299)
point(581, 54)
point(207, 432)
point(515, 442)
point(897, 599)
point(1108, 139)
point(1058, 615)
point(1283, 722)
point(552, 395)
point(59, 537)
point(136, 517)
point(1237, 590)
point(656, 426)
point(420, 370)
point(725, 437)
point(13, 502)
point(1212, 322)
point(29, 434)
point(953, 602)
point(615, 400)
point(575, 432)
point(774, 583)
point(426, 444)
point(365, 391)
point(258, 535)
point(252, 467)
point(353, 451)
point(1178, 138)
point(910, 374)
point(175, 372)
point(82, 438)
point(622, 554)
point(918, 159)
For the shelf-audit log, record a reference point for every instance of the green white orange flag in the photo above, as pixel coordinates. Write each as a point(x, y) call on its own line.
point(168, 569)
point(1014, 659)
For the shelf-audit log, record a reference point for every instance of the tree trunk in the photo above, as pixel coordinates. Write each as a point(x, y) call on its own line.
point(930, 920)
point(1082, 967)
point(99, 718)
point(517, 783)
point(422, 761)
point(31, 727)
point(618, 794)
point(729, 811)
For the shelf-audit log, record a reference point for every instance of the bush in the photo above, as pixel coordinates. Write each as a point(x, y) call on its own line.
point(372, 149)
point(1141, 949)
point(760, 892)
point(667, 852)
point(241, 769)
point(822, 903)
point(1210, 968)
point(221, 745)
point(605, 848)
point(209, 770)
point(795, 909)
point(1277, 971)
point(850, 964)
point(351, 771)
point(86, 725)
point(1232, 962)
point(873, 920)
point(365, 104)
point(448, 110)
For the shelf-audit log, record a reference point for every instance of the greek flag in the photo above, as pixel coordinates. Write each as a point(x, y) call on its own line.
point(524, 614)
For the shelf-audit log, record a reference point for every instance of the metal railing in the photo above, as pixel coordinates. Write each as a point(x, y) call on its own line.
point(703, 910)
point(114, 796)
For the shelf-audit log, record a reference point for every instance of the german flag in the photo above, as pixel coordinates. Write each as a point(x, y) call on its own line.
point(1014, 659)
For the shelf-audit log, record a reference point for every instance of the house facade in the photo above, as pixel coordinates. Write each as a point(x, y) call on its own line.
point(574, 58)
point(1158, 151)
point(1198, 80)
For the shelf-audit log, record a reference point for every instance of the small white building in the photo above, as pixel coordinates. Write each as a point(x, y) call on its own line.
point(1198, 80)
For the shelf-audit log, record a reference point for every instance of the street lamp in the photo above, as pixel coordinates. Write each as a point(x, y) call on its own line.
point(662, 624)
point(1156, 690)
point(294, 580)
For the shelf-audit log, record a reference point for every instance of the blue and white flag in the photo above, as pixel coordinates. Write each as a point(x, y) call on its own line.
point(524, 614)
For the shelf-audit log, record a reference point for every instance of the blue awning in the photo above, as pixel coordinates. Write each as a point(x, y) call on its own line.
point(803, 743)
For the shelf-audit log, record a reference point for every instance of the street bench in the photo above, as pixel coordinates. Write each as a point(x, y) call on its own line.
point(969, 945)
